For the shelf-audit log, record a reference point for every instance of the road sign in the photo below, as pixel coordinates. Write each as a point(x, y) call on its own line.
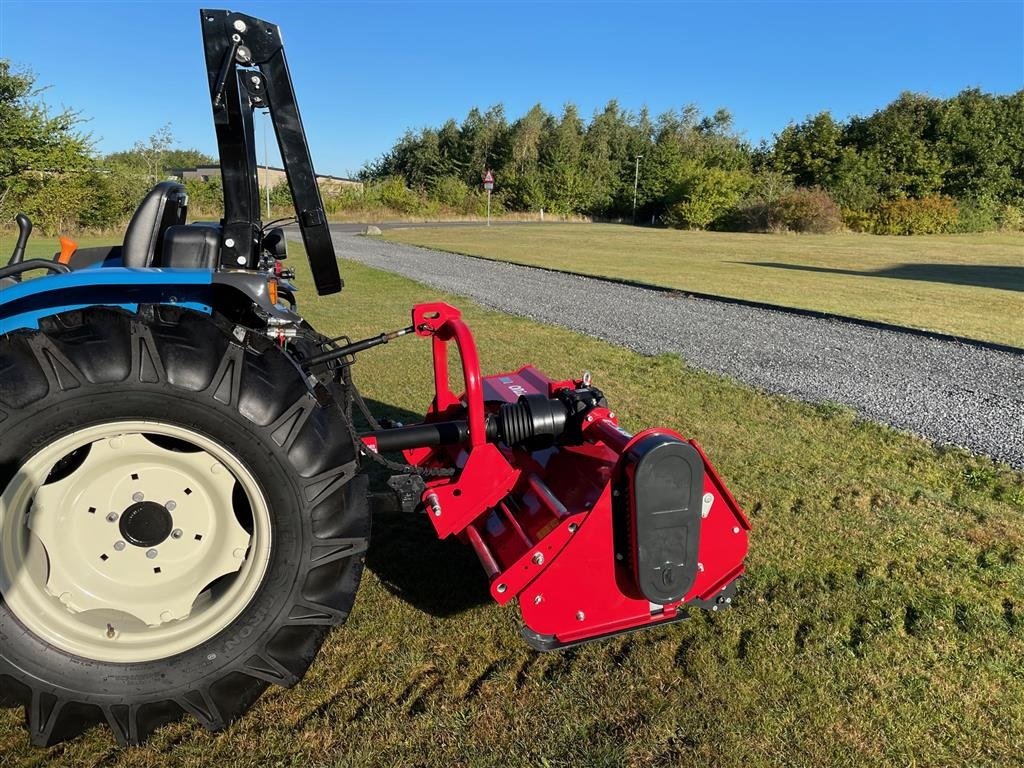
point(488, 181)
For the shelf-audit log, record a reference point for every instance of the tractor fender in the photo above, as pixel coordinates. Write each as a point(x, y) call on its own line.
point(24, 304)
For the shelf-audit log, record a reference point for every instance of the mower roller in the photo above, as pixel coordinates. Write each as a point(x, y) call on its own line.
point(183, 503)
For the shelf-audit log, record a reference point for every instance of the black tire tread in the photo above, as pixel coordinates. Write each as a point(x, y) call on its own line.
point(179, 350)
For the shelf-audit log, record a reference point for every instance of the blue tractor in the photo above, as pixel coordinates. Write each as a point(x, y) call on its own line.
point(175, 484)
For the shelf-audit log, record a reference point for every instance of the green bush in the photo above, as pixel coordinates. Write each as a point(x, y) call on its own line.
point(929, 215)
point(392, 193)
point(705, 195)
point(978, 215)
point(859, 221)
point(450, 191)
point(1011, 218)
point(805, 210)
point(205, 197)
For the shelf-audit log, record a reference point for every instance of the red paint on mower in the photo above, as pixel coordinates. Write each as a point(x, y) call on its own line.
point(596, 531)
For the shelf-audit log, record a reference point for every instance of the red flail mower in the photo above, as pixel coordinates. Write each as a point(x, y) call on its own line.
point(184, 510)
point(595, 531)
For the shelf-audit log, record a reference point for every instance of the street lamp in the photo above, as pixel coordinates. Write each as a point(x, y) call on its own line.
point(636, 182)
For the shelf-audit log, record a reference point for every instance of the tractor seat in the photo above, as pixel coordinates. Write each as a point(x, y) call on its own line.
point(164, 206)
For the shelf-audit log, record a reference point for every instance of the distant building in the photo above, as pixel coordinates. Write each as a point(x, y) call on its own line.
point(267, 176)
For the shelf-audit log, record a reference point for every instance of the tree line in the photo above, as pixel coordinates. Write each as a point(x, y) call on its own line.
point(919, 164)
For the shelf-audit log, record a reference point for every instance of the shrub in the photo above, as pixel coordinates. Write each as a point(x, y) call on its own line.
point(805, 210)
point(704, 195)
point(1011, 218)
point(392, 193)
point(859, 221)
point(450, 191)
point(977, 215)
point(934, 214)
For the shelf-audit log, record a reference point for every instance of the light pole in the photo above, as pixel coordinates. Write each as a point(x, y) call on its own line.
point(636, 183)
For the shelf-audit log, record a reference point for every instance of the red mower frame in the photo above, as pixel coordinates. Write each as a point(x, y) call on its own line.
point(560, 524)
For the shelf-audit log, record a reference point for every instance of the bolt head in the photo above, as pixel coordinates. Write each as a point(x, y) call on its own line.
point(112, 517)
point(736, 529)
point(538, 599)
point(137, 496)
point(502, 588)
point(580, 616)
point(538, 558)
point(229, 243)
point(573, 527)
point(119, 545)
point(239, 25)
point(151, 553)
point(170, 506)
point(700, 567)
point(176, 533)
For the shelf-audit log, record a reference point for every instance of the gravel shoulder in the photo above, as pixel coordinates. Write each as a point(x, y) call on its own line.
point(945, 391)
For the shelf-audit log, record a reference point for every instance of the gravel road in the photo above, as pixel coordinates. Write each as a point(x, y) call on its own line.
point(943, 390)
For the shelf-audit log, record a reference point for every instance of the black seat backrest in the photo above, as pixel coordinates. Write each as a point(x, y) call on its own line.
point(164, 206)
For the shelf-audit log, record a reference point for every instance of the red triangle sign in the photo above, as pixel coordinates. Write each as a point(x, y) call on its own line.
point(488, 178)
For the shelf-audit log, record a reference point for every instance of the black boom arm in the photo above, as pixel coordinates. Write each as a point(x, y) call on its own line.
point(247, 70)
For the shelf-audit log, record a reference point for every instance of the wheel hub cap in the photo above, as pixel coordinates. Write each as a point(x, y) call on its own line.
point(146, 524)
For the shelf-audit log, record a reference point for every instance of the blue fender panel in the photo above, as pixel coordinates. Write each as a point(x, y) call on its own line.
point(24, 304)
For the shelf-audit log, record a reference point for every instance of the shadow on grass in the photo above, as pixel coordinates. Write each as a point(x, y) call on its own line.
point(984, 276)
point(441, 578)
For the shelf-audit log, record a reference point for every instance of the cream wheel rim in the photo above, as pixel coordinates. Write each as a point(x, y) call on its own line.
point(131, 541)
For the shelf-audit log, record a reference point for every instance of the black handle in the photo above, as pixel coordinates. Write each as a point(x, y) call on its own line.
point(24, 230)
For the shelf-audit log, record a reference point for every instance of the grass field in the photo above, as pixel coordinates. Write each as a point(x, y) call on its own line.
point(968, 285)
point(881, 623)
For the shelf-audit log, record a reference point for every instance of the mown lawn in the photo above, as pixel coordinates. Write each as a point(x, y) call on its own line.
point(968, 285)
point(881, 623)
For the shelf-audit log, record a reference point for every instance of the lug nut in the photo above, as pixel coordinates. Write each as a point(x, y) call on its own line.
point(239, 25)
point(176, 533)
point(151, 553)
point(538, 559)
point(580, 616)
point(112, 517)
point(170, 506)
point(119, 545)
point(137, 496)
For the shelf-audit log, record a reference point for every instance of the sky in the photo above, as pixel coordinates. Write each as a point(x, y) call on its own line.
point(365, 72)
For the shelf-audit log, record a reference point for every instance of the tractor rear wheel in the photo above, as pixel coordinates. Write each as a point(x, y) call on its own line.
point(181, 521)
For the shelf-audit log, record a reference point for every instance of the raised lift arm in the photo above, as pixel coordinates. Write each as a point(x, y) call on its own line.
point(247, 70)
